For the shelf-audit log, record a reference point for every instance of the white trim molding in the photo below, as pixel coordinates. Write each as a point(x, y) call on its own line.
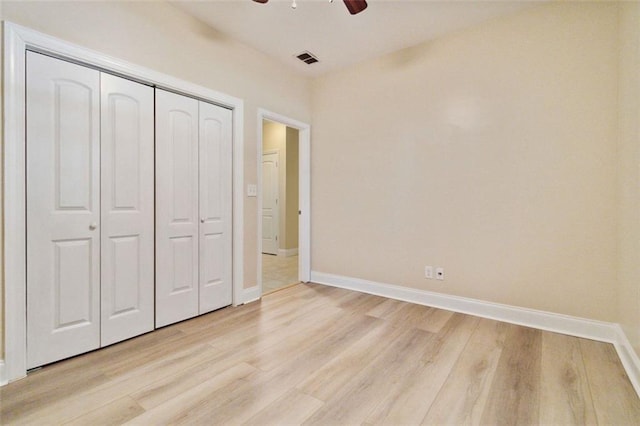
point(549, 321)
point(252, 294)
point(628, 357)
point(3, 377)
point(288, 252)
point(17, 40)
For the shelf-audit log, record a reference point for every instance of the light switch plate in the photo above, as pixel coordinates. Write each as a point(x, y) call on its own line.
point(252, 190)
point(428, 272)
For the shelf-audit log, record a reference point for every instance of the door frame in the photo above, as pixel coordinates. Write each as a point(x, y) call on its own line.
point(277, 222)
point(304, 192)
point(17, 40)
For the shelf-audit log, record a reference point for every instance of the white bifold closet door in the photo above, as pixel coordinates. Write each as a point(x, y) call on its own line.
point(215, 207)
point(127, 231)
point(69, 306)
point(176, 208)
point(193, 207)
point(63, 209)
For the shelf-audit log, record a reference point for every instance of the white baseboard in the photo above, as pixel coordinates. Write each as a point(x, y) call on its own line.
point(628, 357)
point(3, 377)
point(558, 323)
point(288, 252)
point(549, 321)
point(251, 294)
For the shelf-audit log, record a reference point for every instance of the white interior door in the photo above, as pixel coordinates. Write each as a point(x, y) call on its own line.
point(270, 203)
point(127, 236)
point(176, 208)
point(63, 209)
point(215, 207)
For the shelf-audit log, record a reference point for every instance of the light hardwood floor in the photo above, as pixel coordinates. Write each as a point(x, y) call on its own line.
point(278, 272)
point(311, 354)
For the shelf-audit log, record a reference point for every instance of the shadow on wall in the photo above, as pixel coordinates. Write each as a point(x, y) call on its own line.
point(197, 26)
point(408, 57)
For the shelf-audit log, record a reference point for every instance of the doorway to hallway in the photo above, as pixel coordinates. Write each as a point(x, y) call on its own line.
point(279, 205)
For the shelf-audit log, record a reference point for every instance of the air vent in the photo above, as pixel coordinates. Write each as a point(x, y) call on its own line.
point(307, 57)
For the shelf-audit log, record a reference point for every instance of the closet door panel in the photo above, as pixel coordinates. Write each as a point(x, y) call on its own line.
point(215, 207)
point(63, 209)
point(127, 237)
point(176, 208)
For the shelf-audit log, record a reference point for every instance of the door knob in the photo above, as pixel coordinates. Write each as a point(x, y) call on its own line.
point(93, 225)
point(202, 220)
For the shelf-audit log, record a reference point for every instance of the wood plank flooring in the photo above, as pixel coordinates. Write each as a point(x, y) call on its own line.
point(278, 272)
point(311, 354)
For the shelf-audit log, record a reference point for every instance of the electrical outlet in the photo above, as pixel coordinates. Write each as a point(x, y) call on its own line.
point(440, 273)
point(428, 272)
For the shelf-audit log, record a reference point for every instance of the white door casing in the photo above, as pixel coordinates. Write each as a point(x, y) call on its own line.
point(215, 238)
point(176, 208)
point(270, 192)
point(127, 231)
point(63, 209)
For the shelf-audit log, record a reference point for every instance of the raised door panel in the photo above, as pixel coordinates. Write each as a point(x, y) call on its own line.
point(215, 207)
point(270, 203)
point(177, 291)
point(63, 209)
point(72, 298)
point(127, 243)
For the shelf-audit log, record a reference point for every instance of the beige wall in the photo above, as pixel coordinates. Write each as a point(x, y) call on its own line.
point(161, 37)
point(490, 152)
point(274, 136)
point(291, 205)
point(629, 173)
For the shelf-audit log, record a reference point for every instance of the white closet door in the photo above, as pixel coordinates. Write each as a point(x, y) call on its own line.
point(127, 238)
point(176, 208)
point(215, 207)
point(63, 209)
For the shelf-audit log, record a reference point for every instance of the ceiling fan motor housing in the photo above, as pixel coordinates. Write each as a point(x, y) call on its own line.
point(353, 6)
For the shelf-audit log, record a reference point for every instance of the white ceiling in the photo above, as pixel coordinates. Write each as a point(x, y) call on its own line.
point(337, 38)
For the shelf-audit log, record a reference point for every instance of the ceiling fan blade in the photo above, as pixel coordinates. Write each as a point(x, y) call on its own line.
point(354, 6)
point(261, 1)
